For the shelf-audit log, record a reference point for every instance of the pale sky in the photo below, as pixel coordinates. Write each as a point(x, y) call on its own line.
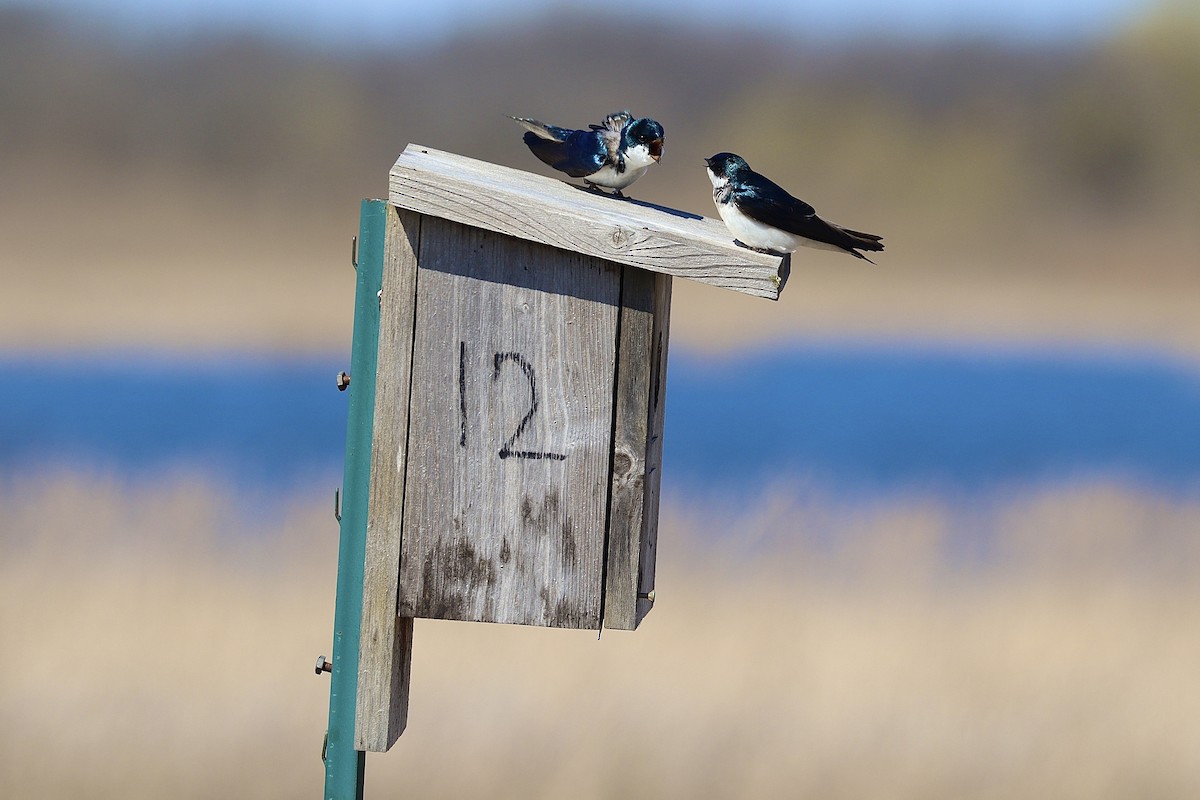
point(373, 22)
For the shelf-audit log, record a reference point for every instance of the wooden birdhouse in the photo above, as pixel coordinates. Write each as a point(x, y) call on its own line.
point(515, 458)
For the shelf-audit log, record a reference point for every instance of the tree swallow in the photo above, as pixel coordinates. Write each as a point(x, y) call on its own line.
point(764, 217)
point(612, 154)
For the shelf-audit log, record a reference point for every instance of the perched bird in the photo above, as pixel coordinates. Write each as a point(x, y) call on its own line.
point(764, 217)
point(613, 154)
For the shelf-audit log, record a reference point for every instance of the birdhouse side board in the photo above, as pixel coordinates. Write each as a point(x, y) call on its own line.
point(637, 447)
point(385, 639)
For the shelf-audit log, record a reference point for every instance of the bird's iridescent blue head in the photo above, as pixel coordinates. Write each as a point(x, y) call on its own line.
point(646, 132)
point(726, 164)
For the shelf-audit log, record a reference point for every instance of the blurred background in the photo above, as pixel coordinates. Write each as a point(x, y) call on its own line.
point(931, 528)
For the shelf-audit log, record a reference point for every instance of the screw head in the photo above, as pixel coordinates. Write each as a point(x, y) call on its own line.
point(343, 380)
point(323, 665)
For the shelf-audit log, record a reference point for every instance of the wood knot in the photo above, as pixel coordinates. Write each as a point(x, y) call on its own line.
point(624, 464)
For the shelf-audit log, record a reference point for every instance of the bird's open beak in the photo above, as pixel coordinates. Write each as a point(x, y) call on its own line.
point(656, 149)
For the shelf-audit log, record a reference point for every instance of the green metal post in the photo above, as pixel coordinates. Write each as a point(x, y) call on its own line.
point(343, 764)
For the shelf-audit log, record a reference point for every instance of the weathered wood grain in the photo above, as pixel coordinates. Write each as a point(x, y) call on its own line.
point(549, 211)
point(510, 430)
point(385, 642)
point(633, 473)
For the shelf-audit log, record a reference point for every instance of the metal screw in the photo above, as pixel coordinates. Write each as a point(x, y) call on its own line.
point(343, 380)
point(646, 595)
point(324, 665)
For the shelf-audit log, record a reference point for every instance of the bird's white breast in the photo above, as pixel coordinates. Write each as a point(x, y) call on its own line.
point(637, 161)
point(609, 178)
point(638, 157)
point(746, 230)
point(753, 233)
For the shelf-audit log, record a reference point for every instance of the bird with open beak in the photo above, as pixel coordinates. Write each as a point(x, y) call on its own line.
point(611, 155)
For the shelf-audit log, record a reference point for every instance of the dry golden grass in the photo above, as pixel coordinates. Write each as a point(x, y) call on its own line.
point(159, 644)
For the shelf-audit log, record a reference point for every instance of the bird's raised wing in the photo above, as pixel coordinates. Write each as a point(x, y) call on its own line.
point(610, 133)
point(615, 121)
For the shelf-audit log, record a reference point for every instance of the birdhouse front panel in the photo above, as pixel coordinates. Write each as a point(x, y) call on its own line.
point(510, 430)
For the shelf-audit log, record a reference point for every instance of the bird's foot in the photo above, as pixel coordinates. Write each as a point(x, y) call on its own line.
point(765, 250)
point(616, 193)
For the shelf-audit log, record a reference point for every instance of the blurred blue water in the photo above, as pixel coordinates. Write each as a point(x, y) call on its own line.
point(264, 423)
point(851, 418)
point(883, 419)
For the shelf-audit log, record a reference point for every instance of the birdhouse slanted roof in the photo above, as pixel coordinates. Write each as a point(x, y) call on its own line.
point(551, 212)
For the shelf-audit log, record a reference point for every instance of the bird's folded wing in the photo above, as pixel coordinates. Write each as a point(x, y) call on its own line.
point(772, 206)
